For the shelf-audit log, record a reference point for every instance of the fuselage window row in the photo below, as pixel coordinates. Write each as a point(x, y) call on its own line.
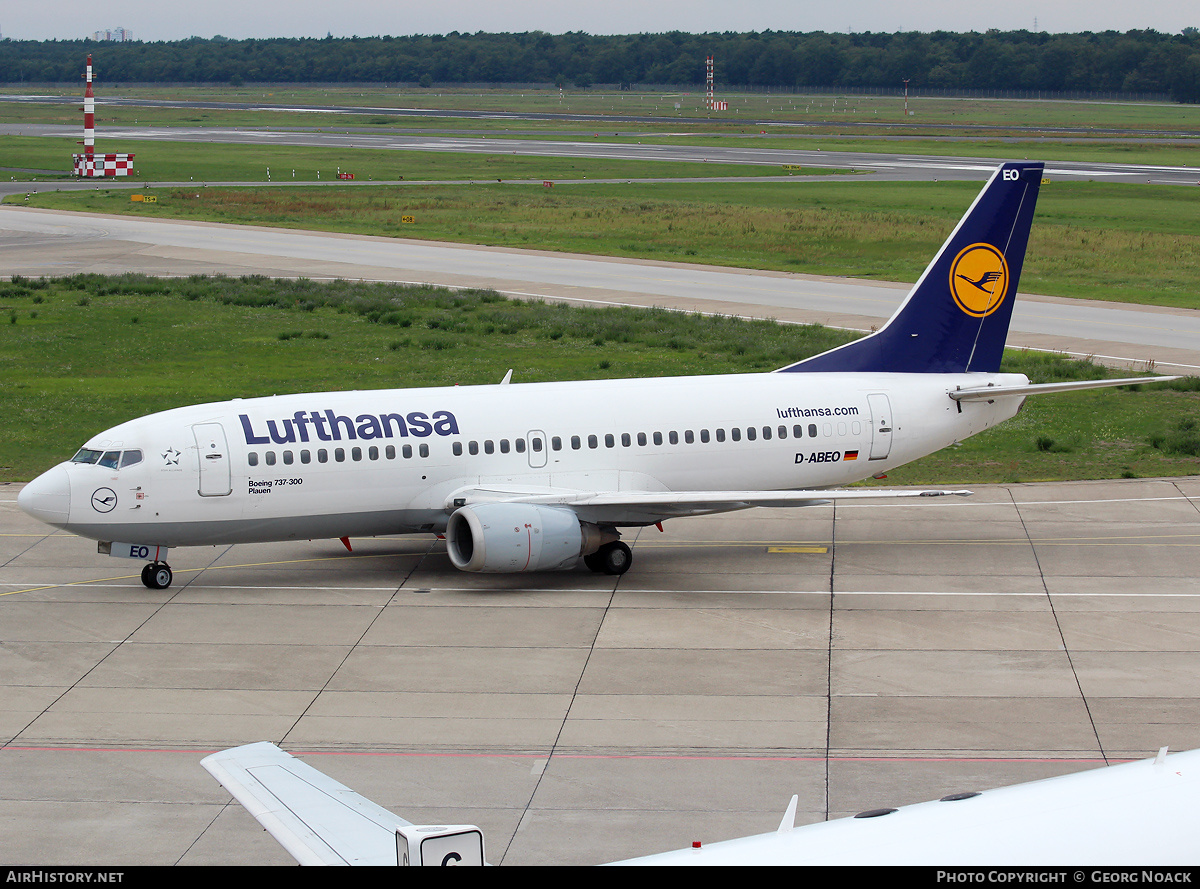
point(505, 446)
point(339, 455)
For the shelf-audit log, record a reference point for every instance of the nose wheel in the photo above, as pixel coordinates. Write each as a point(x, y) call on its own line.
point(157, 575)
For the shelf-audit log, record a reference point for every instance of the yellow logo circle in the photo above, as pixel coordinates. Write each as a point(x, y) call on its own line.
point(979, 279)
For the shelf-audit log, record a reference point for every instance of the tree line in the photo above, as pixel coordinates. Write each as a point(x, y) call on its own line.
point(1133, 61)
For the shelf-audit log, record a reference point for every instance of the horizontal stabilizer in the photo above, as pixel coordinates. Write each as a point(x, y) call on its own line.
point(987, 393)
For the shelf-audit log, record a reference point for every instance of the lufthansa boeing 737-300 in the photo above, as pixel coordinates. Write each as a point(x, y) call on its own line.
point(536, 476)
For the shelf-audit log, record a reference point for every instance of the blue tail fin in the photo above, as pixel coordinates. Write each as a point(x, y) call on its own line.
point(956, 316)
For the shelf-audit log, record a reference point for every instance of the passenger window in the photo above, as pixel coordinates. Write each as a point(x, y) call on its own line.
point(593, 441)
point(252, 458)
point(610, 441)
point(751, 435)
point(812, 430)
point(457, 449)
point(504, 446)
point(688, 437)
point(797, 431)
point(356, 454)
point(407, 452)
point(576, 444)
point(473, 447)
point(720, 435)
point(735, 434)
point(129, 458)
point(339, 454)
point(673, 437)
point(373, 453)
point(322, 455)
point(537, 445)
point(520, 445)
point(287, 457)
point(270, 458)
point(489, 447)
point(641, 439)
point(704, 436)
point(306, 456)
point(658, 438)
point(766, 433)
point(423, 450)
point(783, 432)
point(626, 441)
point(390, 452)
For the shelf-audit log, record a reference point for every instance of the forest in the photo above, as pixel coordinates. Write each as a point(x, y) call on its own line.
point(1134, 61)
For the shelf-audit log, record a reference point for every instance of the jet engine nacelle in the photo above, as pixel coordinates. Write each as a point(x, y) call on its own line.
point(514, 537)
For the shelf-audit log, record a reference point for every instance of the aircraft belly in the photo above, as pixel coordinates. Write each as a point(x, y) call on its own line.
point(207, 532)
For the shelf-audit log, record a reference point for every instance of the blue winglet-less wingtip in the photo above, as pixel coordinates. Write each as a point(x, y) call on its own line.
point(956, 317)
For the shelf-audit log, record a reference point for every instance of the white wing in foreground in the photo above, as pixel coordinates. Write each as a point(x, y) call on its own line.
point(1135, 814)
point(315, 818)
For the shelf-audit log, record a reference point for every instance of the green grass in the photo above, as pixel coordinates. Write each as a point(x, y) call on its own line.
point(83, 353)
point(1131, 243)
point(202, 162)
point(928, 113)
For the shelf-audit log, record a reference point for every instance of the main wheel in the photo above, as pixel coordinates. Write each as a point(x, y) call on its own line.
point(614, 558)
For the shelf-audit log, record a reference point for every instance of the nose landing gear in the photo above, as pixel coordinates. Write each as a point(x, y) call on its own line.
point(157, 575)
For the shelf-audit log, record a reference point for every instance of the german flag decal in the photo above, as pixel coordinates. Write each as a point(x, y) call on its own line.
point(850, 455)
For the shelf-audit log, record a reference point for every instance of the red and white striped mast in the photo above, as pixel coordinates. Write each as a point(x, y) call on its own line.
point(89, 115)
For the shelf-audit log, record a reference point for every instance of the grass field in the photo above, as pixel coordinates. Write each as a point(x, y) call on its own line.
point(744, 108)
point(83, 353)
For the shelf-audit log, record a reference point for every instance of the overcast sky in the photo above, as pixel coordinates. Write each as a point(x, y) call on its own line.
point(158, 20)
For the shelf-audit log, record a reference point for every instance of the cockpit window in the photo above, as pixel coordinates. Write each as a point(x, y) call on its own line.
point(108, 459)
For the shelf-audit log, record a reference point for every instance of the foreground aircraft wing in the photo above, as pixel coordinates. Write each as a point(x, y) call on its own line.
point(601, 504)
point(1138, 814)
point(316, 819)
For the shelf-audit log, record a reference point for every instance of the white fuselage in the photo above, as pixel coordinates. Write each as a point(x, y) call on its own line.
point(388, 461)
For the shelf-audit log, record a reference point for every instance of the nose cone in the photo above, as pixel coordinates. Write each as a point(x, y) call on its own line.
point(48, 497)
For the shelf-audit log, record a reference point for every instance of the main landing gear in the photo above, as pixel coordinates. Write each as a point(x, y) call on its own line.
point(612, 558)
point(157, 575)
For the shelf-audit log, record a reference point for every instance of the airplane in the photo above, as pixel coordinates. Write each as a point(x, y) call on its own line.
point(538, 476)
point(1135, 814)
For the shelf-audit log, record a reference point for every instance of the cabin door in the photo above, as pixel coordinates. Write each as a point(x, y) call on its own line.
point(881, 426)
point(213, 454)
point(536, 448)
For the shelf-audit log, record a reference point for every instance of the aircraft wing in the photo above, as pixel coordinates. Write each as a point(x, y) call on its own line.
point(620, 506)
point(315, 818)
point(1135, 814)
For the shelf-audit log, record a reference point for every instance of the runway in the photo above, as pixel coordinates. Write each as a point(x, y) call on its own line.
point(861, 656)
point(44, 242)
point(637, 147)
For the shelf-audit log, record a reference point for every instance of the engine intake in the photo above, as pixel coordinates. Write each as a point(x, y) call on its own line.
point(515, 537)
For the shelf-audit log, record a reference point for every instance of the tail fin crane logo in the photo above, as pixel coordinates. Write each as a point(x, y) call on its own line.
point(979, 279)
